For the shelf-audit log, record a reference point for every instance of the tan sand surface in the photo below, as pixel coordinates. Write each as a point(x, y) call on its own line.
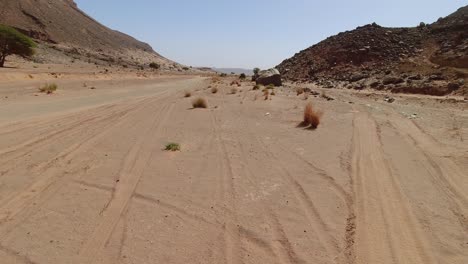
point(84, 177)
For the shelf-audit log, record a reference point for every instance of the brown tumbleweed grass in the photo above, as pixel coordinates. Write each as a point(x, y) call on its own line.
point(199, 103)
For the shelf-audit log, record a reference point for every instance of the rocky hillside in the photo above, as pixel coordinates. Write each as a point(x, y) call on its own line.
point(428, 59)
point(61, 27)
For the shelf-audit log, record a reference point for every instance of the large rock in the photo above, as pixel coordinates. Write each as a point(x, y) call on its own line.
point(271, 76)
point(392, 80)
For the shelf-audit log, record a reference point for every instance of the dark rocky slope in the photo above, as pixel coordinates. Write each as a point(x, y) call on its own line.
point(428, 59)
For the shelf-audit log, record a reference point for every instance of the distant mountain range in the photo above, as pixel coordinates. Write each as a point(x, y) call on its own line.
point(233, 70)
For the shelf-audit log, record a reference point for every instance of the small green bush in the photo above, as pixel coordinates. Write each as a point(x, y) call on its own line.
point(154, 65)
point(172, 147)
point(242, 76)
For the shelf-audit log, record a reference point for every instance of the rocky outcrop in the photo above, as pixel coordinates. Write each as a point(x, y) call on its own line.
point(268, 77)
point(396, 59)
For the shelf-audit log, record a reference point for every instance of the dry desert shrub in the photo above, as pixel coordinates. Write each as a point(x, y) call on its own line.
point(233, 91)
point(299, 91)
point(256, 87)
point(187, 94)
point(266, 93)
point(214, 90)
point(172, 147)
point(48, 88)
point(236, 83)
point(199, 103)
point(311, 117)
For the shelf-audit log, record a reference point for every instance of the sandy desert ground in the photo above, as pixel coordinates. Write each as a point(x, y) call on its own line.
point(84, 177)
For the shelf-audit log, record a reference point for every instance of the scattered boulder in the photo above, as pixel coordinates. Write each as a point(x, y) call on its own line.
point(357, 77)
point(271, 76)
point(375, 84)
point(453, 86)
point(358, 86)
point(436, 77)
point(389, 99)
point(415, 77)
point(328, 98)
point(392, 80)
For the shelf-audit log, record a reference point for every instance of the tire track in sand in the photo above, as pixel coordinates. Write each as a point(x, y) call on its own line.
point(386, 229)
point(130, 174)
point(72, 130)
point(318, 224)
point(446, 172)
point(231, 230)
point(281, 247)
point(17, 202)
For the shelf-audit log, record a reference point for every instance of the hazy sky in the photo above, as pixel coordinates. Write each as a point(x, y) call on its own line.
point(251, 33)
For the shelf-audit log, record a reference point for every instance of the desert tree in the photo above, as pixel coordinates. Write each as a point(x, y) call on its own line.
point(14, 42)
point(256, 71)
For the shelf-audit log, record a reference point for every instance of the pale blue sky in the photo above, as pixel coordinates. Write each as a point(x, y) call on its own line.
point(251, 33)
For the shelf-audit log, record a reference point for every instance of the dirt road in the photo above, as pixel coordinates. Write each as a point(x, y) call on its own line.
point(84, 177)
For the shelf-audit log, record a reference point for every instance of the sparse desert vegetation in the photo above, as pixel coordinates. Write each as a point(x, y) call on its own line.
point(199, 103)
point(348, 171)
point(235, 82)
point(256, 72)
point(172, 147)
point(311, 117)
point(154, 65)
point(14, 42)
point(48, 88)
